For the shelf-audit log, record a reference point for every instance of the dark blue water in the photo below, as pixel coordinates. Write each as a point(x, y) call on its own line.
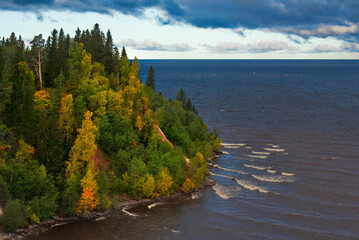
point(290, 167)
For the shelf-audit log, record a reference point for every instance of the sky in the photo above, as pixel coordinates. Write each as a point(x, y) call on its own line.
point(199, 29)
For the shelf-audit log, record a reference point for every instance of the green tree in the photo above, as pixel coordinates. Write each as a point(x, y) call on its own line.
point(13, 215)
point(124, 68)
point(151, 78)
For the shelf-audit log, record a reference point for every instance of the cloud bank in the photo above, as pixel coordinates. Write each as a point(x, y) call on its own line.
point(258, 46)
point(306, 18)
point(150, 45)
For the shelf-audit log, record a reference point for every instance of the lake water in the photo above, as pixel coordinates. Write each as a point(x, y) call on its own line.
point(290, 163)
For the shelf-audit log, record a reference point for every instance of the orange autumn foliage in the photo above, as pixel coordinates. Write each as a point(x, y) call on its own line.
point(88, 201)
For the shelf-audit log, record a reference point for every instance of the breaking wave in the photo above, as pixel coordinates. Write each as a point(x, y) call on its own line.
point(275, 149)
point(154, 205)
point(250, 186)
point(227, 169)
point(288, 174)
point(273, 178)
point(256, 167)
point(273, 146)
point(256, 156)
point(261, 153)
point(271, 171)
point(221, 191)
point(128, 213)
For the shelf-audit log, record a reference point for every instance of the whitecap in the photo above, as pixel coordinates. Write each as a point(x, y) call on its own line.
point(287, 174)
point(250, 186)
point(273, 178)
point(256, 156)
point(261, 153)
point(154, 205)
point(256, 167)
point(272, 145)
point(233, 144)
point(225, 153)
point(128, 213)
point(271, 171)
point(221, 191)
point(229, 170)
point(231, 147)
point(275, 149)
point(248, 147)
point(175, 231)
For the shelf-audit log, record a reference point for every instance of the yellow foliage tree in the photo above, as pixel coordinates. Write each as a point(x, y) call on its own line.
point(84, 146)
point(42, 100)
point(187, 185)
point(164, 182)
point(89, 197)
point(149, 186)
point(67, 116)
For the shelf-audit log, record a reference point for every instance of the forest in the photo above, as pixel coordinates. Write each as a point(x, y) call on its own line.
point(80, 131)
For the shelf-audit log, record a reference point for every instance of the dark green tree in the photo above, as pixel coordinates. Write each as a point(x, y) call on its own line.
point(151, 78)
point(124, 68)
point(181, 96)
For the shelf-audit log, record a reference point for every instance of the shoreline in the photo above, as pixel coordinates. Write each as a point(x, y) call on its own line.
point(35, 229)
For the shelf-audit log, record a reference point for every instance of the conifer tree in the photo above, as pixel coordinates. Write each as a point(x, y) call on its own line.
point(151, 78)
point(108, 54)
point(181, 96)
point(124, 68)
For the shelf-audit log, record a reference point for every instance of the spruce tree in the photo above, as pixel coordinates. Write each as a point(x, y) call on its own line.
point(151, 78)
point(124, 68)
point(181, 96)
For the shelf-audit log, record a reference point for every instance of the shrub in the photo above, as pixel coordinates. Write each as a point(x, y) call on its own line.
point(13, 215)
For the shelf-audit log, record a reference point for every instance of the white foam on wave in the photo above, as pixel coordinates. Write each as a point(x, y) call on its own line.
point(256, 156)
point(229, 170)
point(273, 178)
point(248, 147)
point(128, 213)
point(231, 147)
point(225, 153)
point(271, 171)
point(175, 231)
point(275, 149)
point(233, 144)
point(250, 186)
point(221, 191)
point(256, 167)
point(195, 195)
point(273, 146)
point(261, 153)
point(154, 205)
point(288, 174)
point(244, 159)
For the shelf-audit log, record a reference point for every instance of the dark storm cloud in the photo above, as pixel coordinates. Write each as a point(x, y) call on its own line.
point(305, 18)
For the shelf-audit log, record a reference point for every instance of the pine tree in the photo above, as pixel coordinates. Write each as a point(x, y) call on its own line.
point(124, 68)
point(181, 96)
point(108, 54)
point(151, 78)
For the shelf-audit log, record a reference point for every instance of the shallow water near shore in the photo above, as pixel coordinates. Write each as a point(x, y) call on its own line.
point(289, 168)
